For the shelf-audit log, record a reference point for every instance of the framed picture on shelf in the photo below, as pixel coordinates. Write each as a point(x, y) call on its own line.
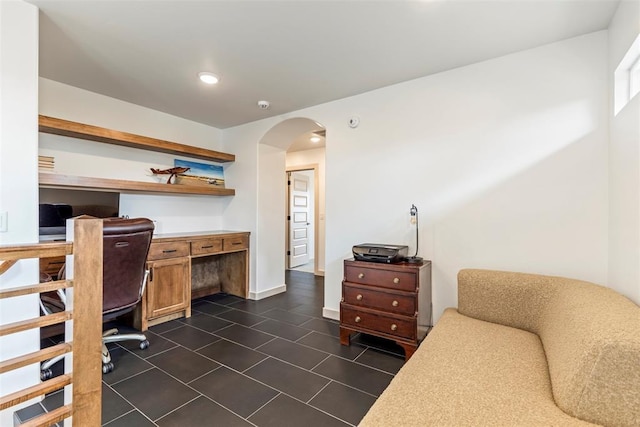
point(200, 173)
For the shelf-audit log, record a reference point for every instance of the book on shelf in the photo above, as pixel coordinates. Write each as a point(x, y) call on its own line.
point(46, 162)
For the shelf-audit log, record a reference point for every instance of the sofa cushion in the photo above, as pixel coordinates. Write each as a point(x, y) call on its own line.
point(469, 372)
point(590, 334)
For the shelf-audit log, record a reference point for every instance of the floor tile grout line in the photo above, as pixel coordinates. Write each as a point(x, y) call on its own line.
point(129, 402)
point(162, 352)
point(133, 409)
point(270, 400)
point(217, 338)
point(175, 409)
point(296, 341)
point(183, 383)
point(205, 374)
point(319, 391)
point(320, 362)
point(262, 345)
point(369, 366)
point(130, 376)
point(243, 373)
point(228, 409)
point(292, 396)
point(295, 366)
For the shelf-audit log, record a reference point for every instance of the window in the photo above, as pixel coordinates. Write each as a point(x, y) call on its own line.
point(634, 78)
point(627, 77)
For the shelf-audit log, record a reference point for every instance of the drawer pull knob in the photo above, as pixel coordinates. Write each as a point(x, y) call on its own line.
point(359, 297)
point(207, 247)
point(361, 275)
point(396, 280)
point(394, 303)
point(358, 319)
point(169, 251)
point(394, 326)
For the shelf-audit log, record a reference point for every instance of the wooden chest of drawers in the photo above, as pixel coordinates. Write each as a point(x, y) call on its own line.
point(391, 301)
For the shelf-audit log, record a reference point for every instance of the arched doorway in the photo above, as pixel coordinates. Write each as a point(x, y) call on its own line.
point(272, 165)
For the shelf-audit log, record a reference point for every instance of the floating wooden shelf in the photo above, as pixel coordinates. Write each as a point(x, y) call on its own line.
point(108, 136)
point(53, 180)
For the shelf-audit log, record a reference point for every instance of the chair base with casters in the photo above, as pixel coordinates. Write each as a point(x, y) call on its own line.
point(107, 365)
point(112, 335)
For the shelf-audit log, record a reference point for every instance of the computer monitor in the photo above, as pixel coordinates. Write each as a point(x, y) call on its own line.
point(57, 205)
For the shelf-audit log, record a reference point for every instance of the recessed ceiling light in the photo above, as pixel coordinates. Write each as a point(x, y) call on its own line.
point(314, 139)
point(208, 78)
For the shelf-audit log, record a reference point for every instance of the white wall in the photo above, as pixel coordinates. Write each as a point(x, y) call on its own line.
point(173, 213)
point(308, 157)
point(624, 163)
point(506, 160)
point(18, 181)
point(271, 195)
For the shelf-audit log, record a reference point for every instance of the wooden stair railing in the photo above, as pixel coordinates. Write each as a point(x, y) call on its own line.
point(84, 309)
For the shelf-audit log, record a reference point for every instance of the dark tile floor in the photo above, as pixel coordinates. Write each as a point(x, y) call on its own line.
point(235, 362)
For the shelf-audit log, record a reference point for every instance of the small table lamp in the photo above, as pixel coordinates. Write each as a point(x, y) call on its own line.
point(415, 259)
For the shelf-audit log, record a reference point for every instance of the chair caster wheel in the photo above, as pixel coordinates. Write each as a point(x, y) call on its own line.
point(144, 344)
point(45, 374)
point(107, 367)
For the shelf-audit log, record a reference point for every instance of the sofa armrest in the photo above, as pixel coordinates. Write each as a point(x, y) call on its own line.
point(506, 298)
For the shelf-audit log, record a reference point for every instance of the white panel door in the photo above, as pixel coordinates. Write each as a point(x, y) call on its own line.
point(298, 219)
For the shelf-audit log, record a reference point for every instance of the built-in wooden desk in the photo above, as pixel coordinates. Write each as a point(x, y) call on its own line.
point(183, 266)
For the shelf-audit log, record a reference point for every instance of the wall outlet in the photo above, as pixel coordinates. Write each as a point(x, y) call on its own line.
point(4, 222)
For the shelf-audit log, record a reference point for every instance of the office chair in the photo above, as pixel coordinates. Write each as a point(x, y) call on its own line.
point(125, 248)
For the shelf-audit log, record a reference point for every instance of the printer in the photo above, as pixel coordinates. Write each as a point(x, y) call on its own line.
point(376, 252)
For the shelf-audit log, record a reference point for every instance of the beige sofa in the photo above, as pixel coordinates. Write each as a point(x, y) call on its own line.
point(522, 350)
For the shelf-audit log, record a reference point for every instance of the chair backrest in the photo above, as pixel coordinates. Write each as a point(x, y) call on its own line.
point(125, 248)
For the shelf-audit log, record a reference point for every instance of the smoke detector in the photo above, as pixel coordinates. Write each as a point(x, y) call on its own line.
point(263, 105)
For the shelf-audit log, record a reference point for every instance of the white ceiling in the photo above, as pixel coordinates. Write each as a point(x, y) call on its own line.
point(294, 54)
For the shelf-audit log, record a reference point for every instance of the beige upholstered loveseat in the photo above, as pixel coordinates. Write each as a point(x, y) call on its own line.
point(522, 350)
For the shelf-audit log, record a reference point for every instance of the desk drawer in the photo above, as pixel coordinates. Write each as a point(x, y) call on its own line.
point(379, 300)
point(206, 246)
point(235, 243)
point(404, 327)
point(399, 280)
point(161, 250)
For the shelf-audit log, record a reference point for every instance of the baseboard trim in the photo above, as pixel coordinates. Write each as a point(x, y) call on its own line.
point(330, 313)
point(268, 293)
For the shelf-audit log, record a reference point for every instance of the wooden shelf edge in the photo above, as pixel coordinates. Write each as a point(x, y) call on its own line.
point(53, 180)
point(62, 127)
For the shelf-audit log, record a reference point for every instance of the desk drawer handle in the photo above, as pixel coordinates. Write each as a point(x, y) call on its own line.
point(361, 276)
point(359, 297)
point(394, 327)
point(207, 247)
point(168, 251)
point(236, 243)
point(396, 280)
point(394, 303)
point(358, 319)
